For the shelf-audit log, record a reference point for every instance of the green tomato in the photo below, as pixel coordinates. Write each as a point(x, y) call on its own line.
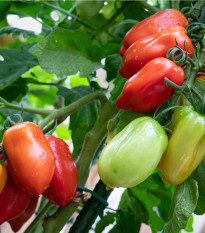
point(186, 147)
point(87, 9)
point(133, 154)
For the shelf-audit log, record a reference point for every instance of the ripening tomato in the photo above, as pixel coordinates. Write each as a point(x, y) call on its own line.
point(3, 177)
point(29, 156)
point(153, 24)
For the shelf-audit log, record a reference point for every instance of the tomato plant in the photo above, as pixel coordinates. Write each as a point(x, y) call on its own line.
point(109, 79)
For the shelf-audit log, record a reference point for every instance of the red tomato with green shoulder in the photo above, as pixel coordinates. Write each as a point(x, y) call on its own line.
point(151, 47)
point(29, 156)
point(64, 183)
point(153, 24)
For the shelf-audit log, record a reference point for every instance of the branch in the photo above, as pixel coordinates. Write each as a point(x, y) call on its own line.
point(6, 104)
point(66, 111)
point(68, 13)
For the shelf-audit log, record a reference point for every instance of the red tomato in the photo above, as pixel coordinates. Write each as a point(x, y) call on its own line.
point(152, 25)
point(30, 158)
point(146, 91)
point(12, 201)
point(63, 186)
point(18, 222)
point(157, 45)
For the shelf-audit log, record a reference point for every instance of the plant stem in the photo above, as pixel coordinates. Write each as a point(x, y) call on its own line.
point(6, 104)
point(68, 13)
point(149, 7)
point(92, 140)
point(176, 4)
point(73, 107)
point(112, 18)
point(39, 216)
point(91, 210)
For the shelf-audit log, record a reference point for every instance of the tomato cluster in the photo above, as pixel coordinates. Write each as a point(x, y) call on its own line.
point(143, 143)
point(145, 64)
point(36, 164)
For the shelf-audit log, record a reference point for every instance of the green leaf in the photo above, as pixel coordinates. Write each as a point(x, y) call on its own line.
point(183, 204)
point(17, 32)
point(189, 227)
point(63, 53)
point(14, 63)
point(150, 201)
point(119, 83)
point(136, 11)
point(112, 65)
point(127, 222)
point(108, 219)
point(4, 6)
point(22, 8)
point(82, 120)
point(199, 176)
point(15, 91)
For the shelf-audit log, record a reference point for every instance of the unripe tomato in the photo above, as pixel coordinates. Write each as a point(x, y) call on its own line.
point(29, 156)
point(133, 154)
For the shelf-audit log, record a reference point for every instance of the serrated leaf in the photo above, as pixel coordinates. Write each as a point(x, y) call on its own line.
point(199, 176)
point(17, 32)
point(108, 219)
point(14, 63)
point(112, 64)
point(183, 204)
point(63, 53)
point(82, 120)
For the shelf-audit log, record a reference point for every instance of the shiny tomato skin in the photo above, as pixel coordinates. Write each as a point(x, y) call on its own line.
point(17, 223)
point(152, 25)
point(157, 45)
point(146, 91)
point(13, 201)
point(63, 186)
point(30, 158)
point(3, 177)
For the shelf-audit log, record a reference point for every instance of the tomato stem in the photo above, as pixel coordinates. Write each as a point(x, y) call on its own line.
point(6, 104)
point(66, 111)
point(39, 216)
point(176, 4)
point(68, 13)
point(179, 89)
